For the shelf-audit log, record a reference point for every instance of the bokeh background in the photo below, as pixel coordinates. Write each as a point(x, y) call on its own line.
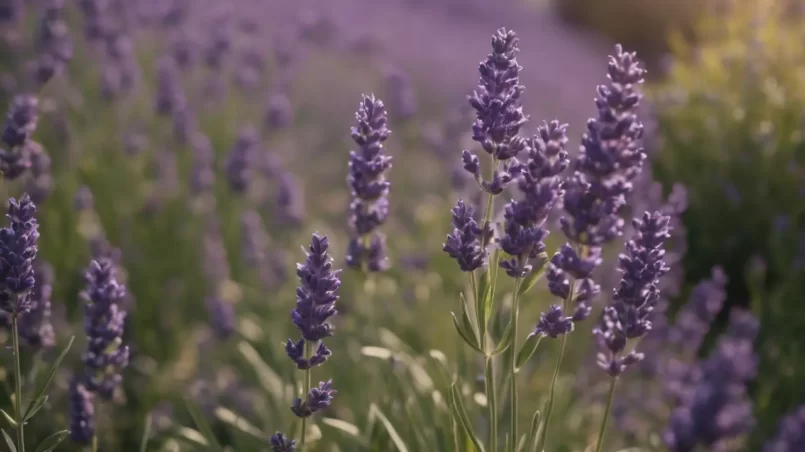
point(144, 123)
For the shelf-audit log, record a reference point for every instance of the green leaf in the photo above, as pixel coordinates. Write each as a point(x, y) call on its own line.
point(231, 418)
point(505, 341)
point(469, 325)
point(146, 433)
point(482, 299)
point(459, 412)
point(351, 431)
point(50, 443)
point(192, 436)
point(37, 405)
point(9, 419)
point(463, 334)
point(374, 412)
point(202, 425)
point(527, 350)
point(9, 441)
point(268, 378)
point(531, 437)
point(540, 264)
point(43, 388)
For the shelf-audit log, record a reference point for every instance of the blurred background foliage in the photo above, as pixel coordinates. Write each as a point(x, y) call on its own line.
point(730, 119)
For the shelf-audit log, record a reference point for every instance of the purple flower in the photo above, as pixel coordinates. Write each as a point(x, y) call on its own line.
point(279, 112)
point(317, 292)
point(35, 327)
point(104, 318)
point(629, 316)
point(368, 186)
point(317, 399)
point(402, 95)
point(295, 351)
point(790, 435)
point(554, 323)
point(280, 443)
point(21, 120)
point(241, 158)
point(466, 243)
point(82, 413)
point(17, 252)
point(542, 190)
point(222, 316)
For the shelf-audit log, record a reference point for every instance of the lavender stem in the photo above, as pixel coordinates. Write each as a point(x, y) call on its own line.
point(15, 338)
point(610, 397)
point(305, 391)
point(513, 354)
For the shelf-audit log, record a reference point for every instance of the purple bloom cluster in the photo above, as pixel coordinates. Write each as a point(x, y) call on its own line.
point(280, 443)
point(714, 408)
point(35, 327)
point(106, 356)
point(369, 188)
point(82, 413)
point(17, 252)
point(541, 190)
point(315, 304)
point(636, 296)
point(15, 156)
point(55, 46)
point(241, 157)
point(466, 244)
point(791, 434)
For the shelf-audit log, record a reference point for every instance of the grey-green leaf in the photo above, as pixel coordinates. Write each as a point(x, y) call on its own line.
point(527, 350)
point(9, 419)
point(43, 388)
point(202, 425)
point(533, 431)
point(469, 325)
point(459, 412)
point(146, 433)
point(482, 299)
point(9, 441)
point(505, 341)
point(36, 405)
point(374, 411)
point(50, 443)
point(463, 334)
point(540, 264)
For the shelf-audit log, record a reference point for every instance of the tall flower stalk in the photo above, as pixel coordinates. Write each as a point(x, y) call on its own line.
point(315, 304)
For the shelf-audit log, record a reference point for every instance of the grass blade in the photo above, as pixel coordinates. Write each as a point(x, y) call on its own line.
point(40, 392)
point(202, 425)
point(374, 411)
point(9, 441)
point(146, 433)
point(459, 412)
point(52, 441)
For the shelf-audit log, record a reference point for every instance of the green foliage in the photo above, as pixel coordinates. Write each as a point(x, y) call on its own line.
point(731, 128)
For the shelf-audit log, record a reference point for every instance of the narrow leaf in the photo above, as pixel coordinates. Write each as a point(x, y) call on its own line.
point(463, 334)
point(50, 443)
point(9, 419)
point(469, 325)
point(269, 380)
point(43, 388)
point(492, 275)
point(531, 439)
point(192, 436)
point(540, 264)
point(231, 418)
point(374, 411)
point(505, 341)
point(146, 433)
point(9, 441)
point(351, 431)
point(483, 301)
point(36, 405)
point(457, 405)
point(201, 423)
point(527, 350)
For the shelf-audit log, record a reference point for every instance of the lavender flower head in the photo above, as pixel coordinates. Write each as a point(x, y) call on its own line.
point(104, 318)
point(466, 243)
point(17, 252)
point(15, 156)
point(280, 443)
point(368, 185)
point(315, 304)
point(239, 163)
point(791, 434)
point(541, 188)
point(499, 113)
point(36, 328)
point(629, 316)
point(82, 413)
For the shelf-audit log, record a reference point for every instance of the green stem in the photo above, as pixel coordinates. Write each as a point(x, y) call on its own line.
point(552, 392)
point(513, 406)
point(492, 403)
point(610, 397)
point(306, 390)
point(15, 338)
point(481, 333)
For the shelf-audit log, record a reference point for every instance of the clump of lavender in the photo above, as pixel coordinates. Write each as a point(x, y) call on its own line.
point(280, 443)
point(81, 412)
point(465, 243)
point(216, 270)
point(716, 409)
point(279, 111)
point(369, 188)
point(791, 434)
point(15, 156)
point(202, 175)
point(104, 318)
point(241, 157)
point(54, 44)
point(17, 252)
point(315, 304)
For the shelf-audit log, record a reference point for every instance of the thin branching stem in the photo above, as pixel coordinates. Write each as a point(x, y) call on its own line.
point(305, 391)
point(15, 339)
point(492, 403)
point(513, 406)
point(610, 398)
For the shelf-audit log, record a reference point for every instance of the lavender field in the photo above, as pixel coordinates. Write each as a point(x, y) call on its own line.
point(400, 225)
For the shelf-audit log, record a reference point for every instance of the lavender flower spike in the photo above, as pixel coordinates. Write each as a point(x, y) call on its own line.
point(465, 244)
point(82, 413)
point(15, 155)
point(17, 252)
point(369, 188)
point(791, 435)
point(104, 319)
point(629, 315)
point(280, 443)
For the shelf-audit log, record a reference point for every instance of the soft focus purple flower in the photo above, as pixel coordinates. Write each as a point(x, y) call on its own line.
point(466, 243)
point(104, 319)
point(717, 409)
point(17, 252)
point(317, 399)
point(241, 158)
point(369, 188)
point(82, 413)
point(629, 316)
point(40, 181)
point(279, 112)
point(222, 316)
point(35, 327)
point(15, 155)
point(290, 198)
point(790, 435)
point(170, 97)
point(280, 443)
point(400, 91)
point(541, 190)
point(202, 175)
point(693, 321)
